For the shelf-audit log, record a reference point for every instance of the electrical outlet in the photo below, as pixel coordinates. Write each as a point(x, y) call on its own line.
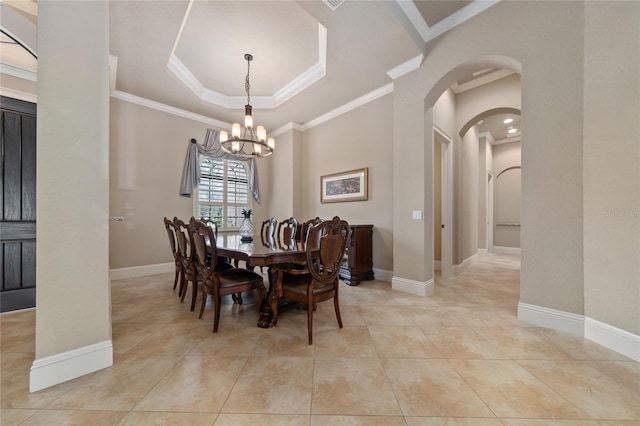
point(417, 215)
point(117, 218)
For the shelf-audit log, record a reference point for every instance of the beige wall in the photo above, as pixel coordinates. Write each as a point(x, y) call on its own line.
point(612, 164)
point(507, 194)
point(148, 150)
point(360, 138)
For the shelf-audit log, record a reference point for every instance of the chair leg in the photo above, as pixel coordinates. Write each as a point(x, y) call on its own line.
point(204, 301)
point(194, 295)
point(181, 285)
point(216, 316)
point(175, 278)
point(336, 305)
point(184, 290)
point(310, 305)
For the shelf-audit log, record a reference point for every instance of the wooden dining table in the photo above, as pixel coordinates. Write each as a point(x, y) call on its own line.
point(259, 253)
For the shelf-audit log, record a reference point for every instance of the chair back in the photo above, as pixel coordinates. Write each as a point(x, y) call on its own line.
point(171, 232)
point(301, 235)
point(268, 232)
point(326, 243)
point(204, 246)
point(184, 241)
point(287, 233)
point(207, 220)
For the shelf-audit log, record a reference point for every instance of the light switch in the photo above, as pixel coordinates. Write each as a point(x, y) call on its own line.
point(417, 214)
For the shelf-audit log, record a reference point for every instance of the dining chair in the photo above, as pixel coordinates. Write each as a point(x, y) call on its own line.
point(189, 272)
point(301, 235)
point(287, 233)
point(318, 281)
point(171, 232)
point(220, 282)
point(268, 232)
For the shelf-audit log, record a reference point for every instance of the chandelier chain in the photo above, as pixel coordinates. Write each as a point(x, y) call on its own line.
point(247, 85)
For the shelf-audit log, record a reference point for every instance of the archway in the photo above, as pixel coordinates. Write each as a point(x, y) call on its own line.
point(466, 118)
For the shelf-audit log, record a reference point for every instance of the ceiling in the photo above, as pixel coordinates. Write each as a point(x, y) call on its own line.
point(310, 57)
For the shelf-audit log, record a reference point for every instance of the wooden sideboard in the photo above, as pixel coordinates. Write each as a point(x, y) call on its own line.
point(357, 264)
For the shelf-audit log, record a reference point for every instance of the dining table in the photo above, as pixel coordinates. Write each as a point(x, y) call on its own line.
point(263, 253)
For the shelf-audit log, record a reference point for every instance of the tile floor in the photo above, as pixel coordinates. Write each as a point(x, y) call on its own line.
point(458, 357)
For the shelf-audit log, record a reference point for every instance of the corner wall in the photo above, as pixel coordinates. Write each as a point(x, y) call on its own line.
point(73, 315)
point(612, 167)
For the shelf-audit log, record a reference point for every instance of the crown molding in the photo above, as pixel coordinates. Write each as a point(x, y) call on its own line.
point(19, 72)
point(168, 109)
point(406, 67)
point(16, 94)
point(375, 94)
point(429, 33)
point(409, 8)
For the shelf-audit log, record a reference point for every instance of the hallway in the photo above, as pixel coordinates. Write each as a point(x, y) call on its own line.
point(458, 357)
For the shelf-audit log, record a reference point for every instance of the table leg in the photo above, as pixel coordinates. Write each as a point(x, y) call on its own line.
point(267, 318)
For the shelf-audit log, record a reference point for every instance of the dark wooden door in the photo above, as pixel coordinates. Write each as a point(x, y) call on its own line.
point(17, 204)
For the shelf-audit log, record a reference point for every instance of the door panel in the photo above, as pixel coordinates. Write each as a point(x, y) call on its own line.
point(17, 204)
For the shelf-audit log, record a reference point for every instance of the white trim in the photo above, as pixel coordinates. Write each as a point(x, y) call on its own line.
point(168, 109)
point(406, 67)
point(460, 268)
point(506, 250)
point(292, 125)
point(16, 94)
point(383, 275)
point(18, 72)
point(413, 287)
point(51, 370)
point(375, 94)
point(141, 271)
point(437, 265)
point(621, 341)
point(474, 8)
point(551, 318)
point(616, 339)
point(416, 19)
point(429, 33)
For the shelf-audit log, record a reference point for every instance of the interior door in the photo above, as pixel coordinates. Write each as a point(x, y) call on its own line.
point(18, 204)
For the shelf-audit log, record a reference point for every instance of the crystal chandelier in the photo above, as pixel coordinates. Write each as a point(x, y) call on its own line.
point(247, 141)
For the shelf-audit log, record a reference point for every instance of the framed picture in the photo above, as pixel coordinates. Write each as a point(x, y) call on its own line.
point(345, 186)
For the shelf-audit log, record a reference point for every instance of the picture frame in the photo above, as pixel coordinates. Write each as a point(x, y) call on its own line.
point(345, 186)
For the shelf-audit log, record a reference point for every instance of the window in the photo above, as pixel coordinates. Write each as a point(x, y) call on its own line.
point(223, 192)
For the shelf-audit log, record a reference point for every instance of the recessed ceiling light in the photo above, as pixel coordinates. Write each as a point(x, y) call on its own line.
point(512, 130)
point(508, 120)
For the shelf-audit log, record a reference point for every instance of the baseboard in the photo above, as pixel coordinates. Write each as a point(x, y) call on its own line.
point(621, 341)
point(51, 370)
point(437, 265)
point(506, 250)
point(413, 287)
point(383, 275)
point(141, 271)
point(458, 269)
point(551, 318)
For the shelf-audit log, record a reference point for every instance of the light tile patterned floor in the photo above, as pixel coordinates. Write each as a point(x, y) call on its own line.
point(458, 357)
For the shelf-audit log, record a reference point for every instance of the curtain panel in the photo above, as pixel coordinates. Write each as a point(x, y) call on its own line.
point(211, 148)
